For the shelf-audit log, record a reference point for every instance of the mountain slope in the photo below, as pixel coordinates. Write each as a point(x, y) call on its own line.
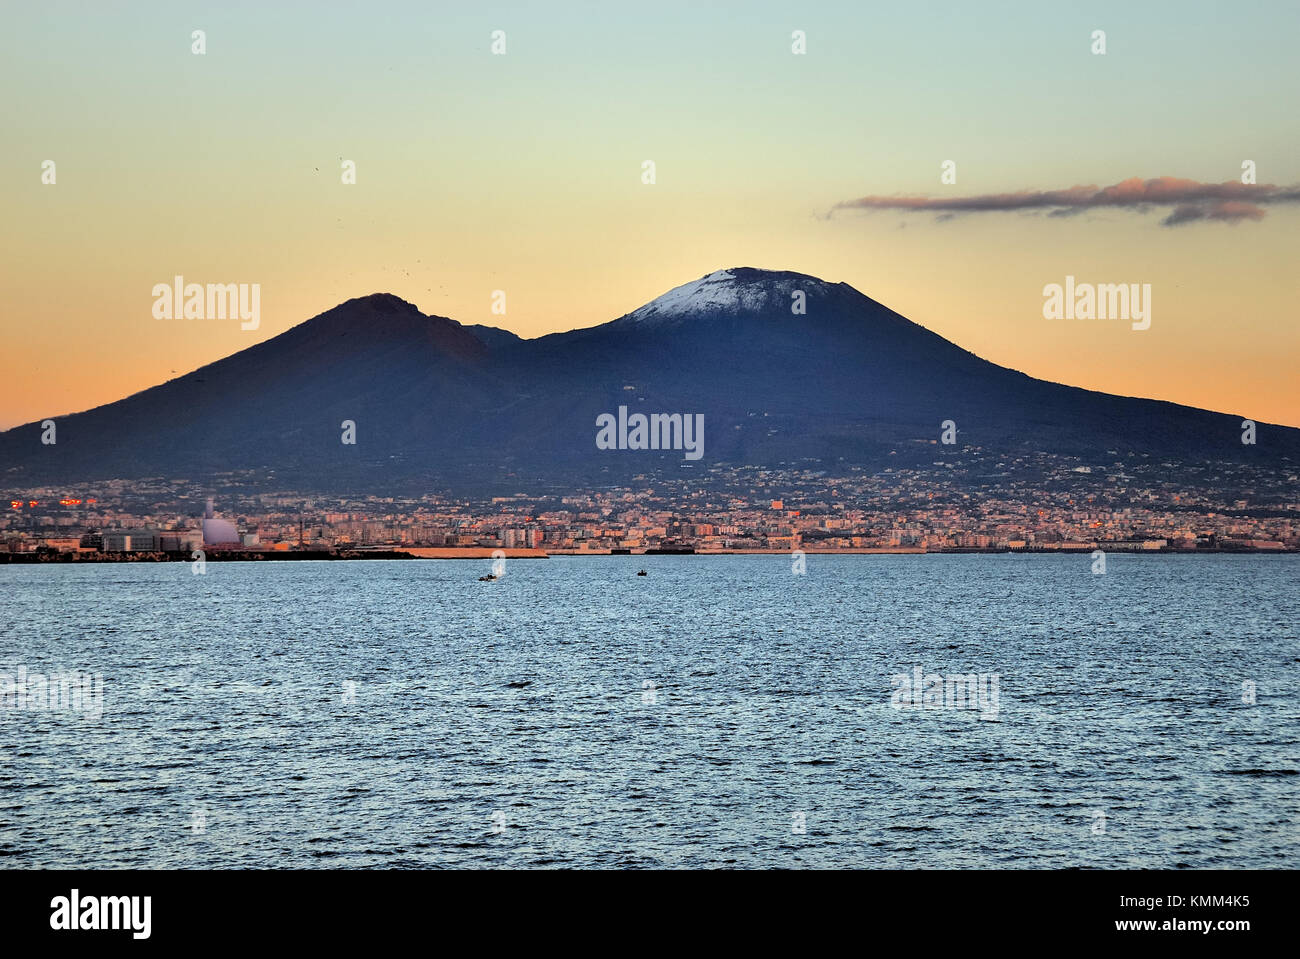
point(848, 377)
point(280, 404)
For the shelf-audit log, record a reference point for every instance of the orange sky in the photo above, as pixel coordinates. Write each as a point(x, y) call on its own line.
point(522, 172)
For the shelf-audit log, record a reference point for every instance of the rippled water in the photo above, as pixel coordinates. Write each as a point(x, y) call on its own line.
point(512, 723)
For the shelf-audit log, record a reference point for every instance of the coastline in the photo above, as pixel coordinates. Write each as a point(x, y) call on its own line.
point(484, 552)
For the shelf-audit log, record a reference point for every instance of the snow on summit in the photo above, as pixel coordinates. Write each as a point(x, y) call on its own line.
point(740, 289)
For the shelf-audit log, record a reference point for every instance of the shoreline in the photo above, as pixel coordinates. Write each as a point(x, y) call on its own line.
point(483, 552)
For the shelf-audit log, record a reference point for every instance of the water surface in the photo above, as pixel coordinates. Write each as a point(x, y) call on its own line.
point(403, 714)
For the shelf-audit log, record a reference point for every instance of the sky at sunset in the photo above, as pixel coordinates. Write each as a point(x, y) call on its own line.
point(523, 172)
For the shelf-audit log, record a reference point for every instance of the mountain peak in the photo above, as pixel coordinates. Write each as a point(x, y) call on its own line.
point(385, 317)
point(384, 302)
point(377, 313)
point(740, 289)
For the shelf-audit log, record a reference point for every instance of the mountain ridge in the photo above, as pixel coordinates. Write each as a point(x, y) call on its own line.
point(434, 401)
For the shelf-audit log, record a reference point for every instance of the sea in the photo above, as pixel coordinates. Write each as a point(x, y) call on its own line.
point(868, 711)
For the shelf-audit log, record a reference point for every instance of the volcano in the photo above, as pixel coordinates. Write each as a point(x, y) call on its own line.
point(785, 369)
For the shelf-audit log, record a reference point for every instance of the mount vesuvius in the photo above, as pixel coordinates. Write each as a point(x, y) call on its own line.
point(848, 383)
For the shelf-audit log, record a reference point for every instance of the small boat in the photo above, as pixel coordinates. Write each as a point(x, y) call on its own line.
point(487, 579)
point(642, 573)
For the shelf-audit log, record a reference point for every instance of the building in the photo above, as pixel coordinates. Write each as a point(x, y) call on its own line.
point(218, 532)
point(131, 541)
point(180, 540)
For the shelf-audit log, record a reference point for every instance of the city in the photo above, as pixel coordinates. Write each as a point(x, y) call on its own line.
point(1036, 503)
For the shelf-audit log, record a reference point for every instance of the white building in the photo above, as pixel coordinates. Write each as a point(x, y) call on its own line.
point(218, 532)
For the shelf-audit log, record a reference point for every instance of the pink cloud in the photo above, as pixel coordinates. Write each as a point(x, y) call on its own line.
point(1230, 201)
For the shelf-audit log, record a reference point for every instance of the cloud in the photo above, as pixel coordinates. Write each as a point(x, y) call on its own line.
point(1191, 201)
point(1229, 211)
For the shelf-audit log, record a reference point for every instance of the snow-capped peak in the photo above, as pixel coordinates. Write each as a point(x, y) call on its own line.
point(740, 289)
